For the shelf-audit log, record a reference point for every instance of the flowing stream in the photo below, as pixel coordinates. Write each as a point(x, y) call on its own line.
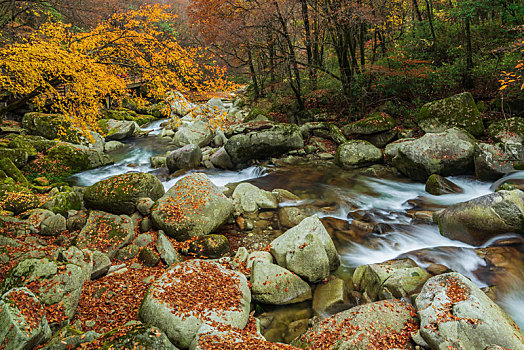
point(344, 196)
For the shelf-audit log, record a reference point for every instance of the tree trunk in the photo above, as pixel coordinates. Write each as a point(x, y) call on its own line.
point(468, 81)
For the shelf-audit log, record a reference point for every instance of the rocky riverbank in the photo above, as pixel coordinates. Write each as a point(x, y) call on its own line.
point(125, 263)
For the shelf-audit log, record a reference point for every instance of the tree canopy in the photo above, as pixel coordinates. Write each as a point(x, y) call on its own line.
point(94, 64)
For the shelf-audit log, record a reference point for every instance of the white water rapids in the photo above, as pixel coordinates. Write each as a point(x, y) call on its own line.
point(384, 201)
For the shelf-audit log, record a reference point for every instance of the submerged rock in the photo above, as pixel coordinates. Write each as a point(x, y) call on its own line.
point(482, 218)
point(194, 206)
point(455, 313)
point(438, 185)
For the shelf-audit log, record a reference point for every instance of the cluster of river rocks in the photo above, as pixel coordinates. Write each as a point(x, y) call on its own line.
point(206, 303)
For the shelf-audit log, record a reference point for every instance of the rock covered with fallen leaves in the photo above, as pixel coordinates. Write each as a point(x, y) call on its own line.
point(120, 194)
point(194, 206)
point(106, 233)
point(23, 324)
point(307, 250)
point(455, 313)
point(194, 293)
point(56, 282)
point(387, 324)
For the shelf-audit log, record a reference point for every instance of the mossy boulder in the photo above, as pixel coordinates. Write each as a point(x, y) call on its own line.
point(255, 113)
point(10, 169)
point(485, 217)
point(493, 161)
point(447, 153)
point(16, 198)
point(69, 337)
point(194, 206)
point(357, 154)
point(510, 130)
point(20, 142)
point(438, 185)
point(119, 114)
point(133, 336)
point(17, 156)
point(76, 158)
point(373, 124)
point(210, 246)
point(52, 126)
point(455, 111)
point(63, 201)
point(120, 194)
point(272, 142)
point(106, 233)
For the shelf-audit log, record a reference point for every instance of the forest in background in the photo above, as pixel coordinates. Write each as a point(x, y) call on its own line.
point(340, 58)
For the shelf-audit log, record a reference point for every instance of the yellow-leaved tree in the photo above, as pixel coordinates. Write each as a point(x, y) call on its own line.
point(93, 65)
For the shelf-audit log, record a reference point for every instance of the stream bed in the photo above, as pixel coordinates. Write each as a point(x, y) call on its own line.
point(343, 196)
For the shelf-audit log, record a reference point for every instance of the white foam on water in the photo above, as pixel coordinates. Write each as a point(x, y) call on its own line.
point(513, 303)
point(154, 128)
point(223, 177)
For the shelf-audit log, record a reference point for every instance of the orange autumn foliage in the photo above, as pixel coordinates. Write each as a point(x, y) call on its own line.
point(94, 64)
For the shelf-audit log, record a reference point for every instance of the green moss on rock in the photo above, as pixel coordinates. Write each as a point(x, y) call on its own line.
point(373, 124)
point(455, 111)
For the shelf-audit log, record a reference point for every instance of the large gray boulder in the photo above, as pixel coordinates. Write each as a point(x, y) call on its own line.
point(119, 194)
point(194, 293)
point(23, 324)
point(357, 154)
point(455, 313)
point(379, 325)
point(196, 133)
point(53, 281)
point(187, 157)
point(277, 140)
point(194, 206)
point(118, 129)
point(509, 130)
point(307, 250)
point(391, 279)
point(220, 159)
point(493, 161)
point(482, 218)
point(447, 153)
point(105, 232)
point(180, 106)
point(272, 284)
point(248, 198)
point(455, 111)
